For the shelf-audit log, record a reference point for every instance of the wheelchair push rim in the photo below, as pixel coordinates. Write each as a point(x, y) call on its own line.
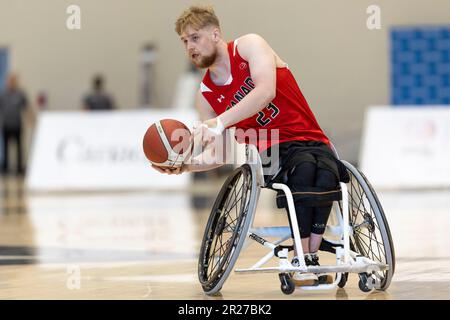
point(371, 236)
point(227, 228)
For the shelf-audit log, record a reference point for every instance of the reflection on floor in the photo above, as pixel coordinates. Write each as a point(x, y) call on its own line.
point(144, 246)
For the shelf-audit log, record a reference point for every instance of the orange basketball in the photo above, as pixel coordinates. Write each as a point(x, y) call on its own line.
point(166, 142)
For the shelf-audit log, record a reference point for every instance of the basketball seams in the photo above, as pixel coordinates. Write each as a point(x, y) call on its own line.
point(162, 152)
point(165, 139)
point(169, 126)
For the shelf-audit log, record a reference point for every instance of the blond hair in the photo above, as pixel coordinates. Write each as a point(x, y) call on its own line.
point(197, 17)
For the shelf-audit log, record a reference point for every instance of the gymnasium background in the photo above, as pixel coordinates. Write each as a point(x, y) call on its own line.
point(356, 78)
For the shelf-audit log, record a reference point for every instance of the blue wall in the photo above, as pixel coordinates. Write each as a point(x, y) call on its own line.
point(420, 65)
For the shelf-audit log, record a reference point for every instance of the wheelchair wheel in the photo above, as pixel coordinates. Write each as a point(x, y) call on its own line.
point(371, 236)
point(227, 228)
point(287, 285)
point(343, 281)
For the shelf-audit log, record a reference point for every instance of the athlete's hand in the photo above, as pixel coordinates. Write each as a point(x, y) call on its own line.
point(211, 123)
point(198, 138)
point(208, 135)
point(209, 130)
point(169, 170)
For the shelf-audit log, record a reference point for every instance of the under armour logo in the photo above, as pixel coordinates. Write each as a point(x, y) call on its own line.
point(220, 98)
point(243, 66)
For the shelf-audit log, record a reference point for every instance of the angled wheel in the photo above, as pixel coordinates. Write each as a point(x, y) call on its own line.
point(363, 283)
point(343, 281)
point(287, 285)
point(371, 236)
point(227, 228)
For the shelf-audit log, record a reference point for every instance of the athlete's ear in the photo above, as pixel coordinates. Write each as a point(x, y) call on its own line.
point(216, 34)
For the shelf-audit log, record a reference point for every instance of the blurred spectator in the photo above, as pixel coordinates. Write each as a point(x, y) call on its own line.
point(41, 100)
point(13, 101)
point(98, 99)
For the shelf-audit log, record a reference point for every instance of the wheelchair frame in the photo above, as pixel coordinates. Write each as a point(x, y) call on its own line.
point(347, 260)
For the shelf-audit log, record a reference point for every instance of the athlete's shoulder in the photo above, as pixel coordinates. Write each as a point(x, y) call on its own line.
point(249, 40)
point(249, 37)
point(247, 44)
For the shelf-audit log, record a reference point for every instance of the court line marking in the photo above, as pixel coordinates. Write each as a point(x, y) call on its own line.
point(186, 277)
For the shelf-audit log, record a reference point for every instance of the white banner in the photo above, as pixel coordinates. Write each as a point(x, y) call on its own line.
point(407, 147)
point(98, 151)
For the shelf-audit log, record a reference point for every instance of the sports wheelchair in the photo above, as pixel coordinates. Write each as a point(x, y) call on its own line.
point(359, 238)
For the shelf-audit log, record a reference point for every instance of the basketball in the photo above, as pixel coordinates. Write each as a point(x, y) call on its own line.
point(166, 143)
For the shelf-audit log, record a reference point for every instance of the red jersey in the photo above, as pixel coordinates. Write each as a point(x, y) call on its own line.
point(288, 111)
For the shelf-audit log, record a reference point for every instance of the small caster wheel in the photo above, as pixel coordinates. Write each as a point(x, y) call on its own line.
point(287, 285)
point(363, 281)
point(343, 281)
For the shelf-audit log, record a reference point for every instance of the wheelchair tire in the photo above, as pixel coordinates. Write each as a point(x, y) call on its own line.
point(362, 283)
point(227, 228)
point(287, 285)
point(371, 236)
point(343, 281)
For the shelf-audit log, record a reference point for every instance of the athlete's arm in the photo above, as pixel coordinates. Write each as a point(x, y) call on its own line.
point(203, 108)
point(210, 158)
point(261, 60)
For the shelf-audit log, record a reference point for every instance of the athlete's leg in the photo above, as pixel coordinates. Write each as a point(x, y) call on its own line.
point(326, 179)
point(303, 176)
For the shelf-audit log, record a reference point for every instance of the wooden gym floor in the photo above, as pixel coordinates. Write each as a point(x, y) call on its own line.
point(144, 246)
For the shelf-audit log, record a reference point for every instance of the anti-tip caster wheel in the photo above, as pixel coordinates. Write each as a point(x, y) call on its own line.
point(343, 281)
point(363, 283)
point(287, 285)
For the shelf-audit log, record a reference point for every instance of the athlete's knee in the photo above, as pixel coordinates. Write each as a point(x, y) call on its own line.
point(326, 179)
point(305, 233)
point(318, 228)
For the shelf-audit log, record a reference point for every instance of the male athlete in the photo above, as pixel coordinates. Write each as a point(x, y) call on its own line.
point(248, 86)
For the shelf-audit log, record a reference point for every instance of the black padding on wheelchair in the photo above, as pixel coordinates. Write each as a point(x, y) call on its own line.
point(327, 246)
point(310, 197)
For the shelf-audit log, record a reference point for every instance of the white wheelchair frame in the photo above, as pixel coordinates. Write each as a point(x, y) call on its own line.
point(347, 261)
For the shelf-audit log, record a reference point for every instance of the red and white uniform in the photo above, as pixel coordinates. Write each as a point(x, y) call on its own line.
point(288, 112)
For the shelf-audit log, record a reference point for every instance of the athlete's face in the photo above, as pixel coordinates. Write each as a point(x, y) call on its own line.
point(200, 45)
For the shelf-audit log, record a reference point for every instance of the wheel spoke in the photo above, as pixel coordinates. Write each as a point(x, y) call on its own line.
point(214, 248)
point(234, 203)
point(227, 213)
point(228, 199)
point(369, 246)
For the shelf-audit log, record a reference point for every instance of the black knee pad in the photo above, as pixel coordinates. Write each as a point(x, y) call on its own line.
point(318, 228)
point(320, 219)
point(305, 233)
